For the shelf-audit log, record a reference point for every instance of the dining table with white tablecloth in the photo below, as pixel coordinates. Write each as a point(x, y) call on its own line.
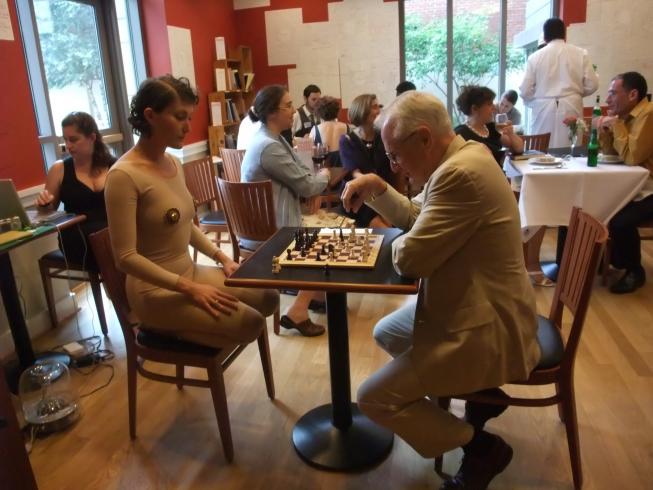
point(549, 192)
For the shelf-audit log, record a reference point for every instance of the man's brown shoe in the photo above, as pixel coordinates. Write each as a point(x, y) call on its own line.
point(477, 470)
point(307, 328)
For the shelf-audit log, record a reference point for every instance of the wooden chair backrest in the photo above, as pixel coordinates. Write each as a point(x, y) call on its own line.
point(231, 162)
point(584, 246)
point(114, 282)
point(536, 142)
point(249, 209)
point(200, 181)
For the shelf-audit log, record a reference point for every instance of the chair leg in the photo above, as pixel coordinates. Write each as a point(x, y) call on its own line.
point(444, 403)
point(131, 393)
point(216, 382)
point(49, 294)
point(266, 362)
point(99, 306)
point(561, 411)
point(605, 266)
point(276, 321)
point(180, 376)
point(568, 405)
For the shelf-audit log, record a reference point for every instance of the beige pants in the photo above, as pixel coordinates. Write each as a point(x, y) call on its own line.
point(172, 312)
point(394, 398)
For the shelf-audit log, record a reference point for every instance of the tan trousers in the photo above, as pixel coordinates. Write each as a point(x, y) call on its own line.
point(394, 398)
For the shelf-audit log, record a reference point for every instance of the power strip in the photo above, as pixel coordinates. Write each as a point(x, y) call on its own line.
point(75, 349)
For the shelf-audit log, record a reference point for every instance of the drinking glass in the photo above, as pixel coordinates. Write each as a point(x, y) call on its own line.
point(501, 121)
point(319, 155)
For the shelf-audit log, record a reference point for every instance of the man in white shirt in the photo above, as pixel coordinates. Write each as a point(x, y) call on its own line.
point(557, 78)
point(246, 130)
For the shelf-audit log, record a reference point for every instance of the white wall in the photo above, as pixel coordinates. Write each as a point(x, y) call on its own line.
point(617, 36)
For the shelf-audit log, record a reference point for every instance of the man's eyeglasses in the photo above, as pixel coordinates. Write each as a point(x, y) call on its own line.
point(394, 159)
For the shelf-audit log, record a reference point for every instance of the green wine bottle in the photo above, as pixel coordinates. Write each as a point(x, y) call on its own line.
point(597, 112)
point(593, 149)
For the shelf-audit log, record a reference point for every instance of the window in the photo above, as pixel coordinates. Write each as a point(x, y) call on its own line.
point(452, 43)
point(82, 55)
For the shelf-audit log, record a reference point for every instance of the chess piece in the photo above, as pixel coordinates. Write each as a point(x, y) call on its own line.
point(342, 237)
point(302, 252)
point(276, 267)
point(289, 252)
point(334, 234)
point(317, 257)
point(323, 250)
point(331, 256)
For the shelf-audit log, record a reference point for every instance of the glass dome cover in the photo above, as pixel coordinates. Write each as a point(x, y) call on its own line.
point(48, 397)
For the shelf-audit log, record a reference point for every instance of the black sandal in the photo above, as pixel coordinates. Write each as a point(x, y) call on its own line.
point(307, 328)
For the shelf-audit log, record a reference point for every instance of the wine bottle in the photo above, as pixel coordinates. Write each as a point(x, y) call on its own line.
point(593, 149)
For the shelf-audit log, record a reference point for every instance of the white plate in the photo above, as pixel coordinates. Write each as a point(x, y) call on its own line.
point(539, 161)
point(610, 159)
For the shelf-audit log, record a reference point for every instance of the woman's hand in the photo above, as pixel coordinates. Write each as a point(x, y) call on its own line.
point(508, 129)
point(208, 297)
point(44, 198)
point(229, 267)
point(314, 204)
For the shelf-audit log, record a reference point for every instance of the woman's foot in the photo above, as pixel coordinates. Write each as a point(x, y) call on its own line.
point(539, 279)
point(306, 327)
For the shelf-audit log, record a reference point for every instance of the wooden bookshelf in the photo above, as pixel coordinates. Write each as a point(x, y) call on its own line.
point(233, 100)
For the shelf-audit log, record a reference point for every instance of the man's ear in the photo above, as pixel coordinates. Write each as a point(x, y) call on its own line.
point(633, 95)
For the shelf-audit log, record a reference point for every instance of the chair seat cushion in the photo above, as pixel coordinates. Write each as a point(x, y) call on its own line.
point(214, 218)
point(155, 340)
point(551, 345)
point(57, 259)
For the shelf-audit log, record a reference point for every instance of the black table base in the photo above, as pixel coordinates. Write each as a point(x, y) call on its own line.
point(323, 445)
point(338, 436)
point(550, 268)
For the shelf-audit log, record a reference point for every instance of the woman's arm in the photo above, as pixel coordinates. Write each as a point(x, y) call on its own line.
point(281, 166)
point(49, 197)
point(512, 140)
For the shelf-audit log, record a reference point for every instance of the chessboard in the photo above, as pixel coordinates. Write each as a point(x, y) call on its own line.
point(337, 247)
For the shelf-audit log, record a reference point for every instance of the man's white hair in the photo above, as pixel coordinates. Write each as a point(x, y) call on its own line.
point(413, 109)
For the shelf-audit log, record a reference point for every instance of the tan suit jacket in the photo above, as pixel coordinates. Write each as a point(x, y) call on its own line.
point(475, 322)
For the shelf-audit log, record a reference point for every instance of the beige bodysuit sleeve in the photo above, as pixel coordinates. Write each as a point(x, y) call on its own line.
point(121, 198)
point(202, 243)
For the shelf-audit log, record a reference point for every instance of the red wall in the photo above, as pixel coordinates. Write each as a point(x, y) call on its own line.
point(20, 158)
point(573, 11)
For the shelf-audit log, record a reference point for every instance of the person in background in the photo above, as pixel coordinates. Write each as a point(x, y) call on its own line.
point(405, 86)
point(507, 106)
point(150, 213)
point(477, 103)
point(557, 78)
point(270, 157)
point(628, 132)
point(78, 182)
point(246, 131)
point(362, 152)
point(305, 117)
point(473, 327)
point(329, 131)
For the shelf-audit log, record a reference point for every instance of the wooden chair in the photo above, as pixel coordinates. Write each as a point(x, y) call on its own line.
point(200, 180)
point(586, 239)
point(536, 142)
point(250, 215)
point(231, 162)
point(53, 265)
point(143, 345)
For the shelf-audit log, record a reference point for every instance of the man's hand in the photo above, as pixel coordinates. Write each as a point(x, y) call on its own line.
point(606, 122)
point(358, 190)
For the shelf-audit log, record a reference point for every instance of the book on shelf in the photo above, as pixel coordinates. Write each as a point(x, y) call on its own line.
point(249, 78)
point(216, 113)
point(220, 49)
point(220, 79)
point(237, 79)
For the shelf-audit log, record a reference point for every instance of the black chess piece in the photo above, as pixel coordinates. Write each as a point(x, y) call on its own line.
point(324, 249)
point(289, 252)
point(331, 248)
point(327, 269)
point(342, 237)
point(302, 252)
point(317, 257)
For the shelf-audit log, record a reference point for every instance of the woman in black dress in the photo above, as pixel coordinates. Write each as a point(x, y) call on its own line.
point(477, 103)
point(78, 182)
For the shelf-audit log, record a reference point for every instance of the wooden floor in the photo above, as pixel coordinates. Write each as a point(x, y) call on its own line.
point(178, 444)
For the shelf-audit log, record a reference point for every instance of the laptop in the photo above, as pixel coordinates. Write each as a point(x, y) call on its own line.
point(10, 206)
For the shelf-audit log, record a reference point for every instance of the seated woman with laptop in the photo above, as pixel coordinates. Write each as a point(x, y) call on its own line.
point(78, 182)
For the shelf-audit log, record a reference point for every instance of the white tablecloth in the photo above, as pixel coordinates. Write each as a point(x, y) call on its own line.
point(547, 195)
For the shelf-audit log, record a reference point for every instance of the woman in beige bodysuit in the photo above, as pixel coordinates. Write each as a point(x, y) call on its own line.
point(150, 214)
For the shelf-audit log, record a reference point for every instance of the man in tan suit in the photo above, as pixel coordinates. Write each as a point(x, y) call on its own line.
point(474, 325)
